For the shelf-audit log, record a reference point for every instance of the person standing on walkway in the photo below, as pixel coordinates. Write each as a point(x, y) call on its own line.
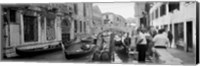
point(160, 43)
point(141, 45)
point(149, 38)
point(153, 32)
point(160, 40)
point(170, 37)
point(127, 39)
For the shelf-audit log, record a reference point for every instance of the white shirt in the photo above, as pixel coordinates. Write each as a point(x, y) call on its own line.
point(142, 36)
point(165, 33)
point(161, 40)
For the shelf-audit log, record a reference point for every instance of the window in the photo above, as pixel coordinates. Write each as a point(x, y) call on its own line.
point(165, 26)
point(93, 23)
point(66, 22)
point(30, 28)
point(117, 19)
point(162, 10)
point(106, 21)
point(42, 20)
point(50, 30)
point(66, 38)
point(70, 13)
point(5, 19)
point(85, 26)
point(84, 10)
point(173, 6)
point(106, 16)
point(75, 26)
point(152, 16)
point(13, 15)
point(80, 26)
point(75, 9)
point(156, 16)
point(70, 8)
point(143, 21)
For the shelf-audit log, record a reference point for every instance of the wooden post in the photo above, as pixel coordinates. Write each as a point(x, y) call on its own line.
point(112, 47)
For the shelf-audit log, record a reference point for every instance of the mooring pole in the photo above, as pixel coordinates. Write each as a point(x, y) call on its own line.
point(112, 47)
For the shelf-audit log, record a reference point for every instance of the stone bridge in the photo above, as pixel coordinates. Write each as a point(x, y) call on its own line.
point(116, 29)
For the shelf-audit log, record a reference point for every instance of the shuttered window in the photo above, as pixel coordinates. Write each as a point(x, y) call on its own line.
point(30, 28)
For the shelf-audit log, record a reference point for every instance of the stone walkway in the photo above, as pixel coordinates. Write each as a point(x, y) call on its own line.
point(167, 57)
point(186, 57)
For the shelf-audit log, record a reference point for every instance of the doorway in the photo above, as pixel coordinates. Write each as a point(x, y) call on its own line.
point(179, 35)
point(189, 36)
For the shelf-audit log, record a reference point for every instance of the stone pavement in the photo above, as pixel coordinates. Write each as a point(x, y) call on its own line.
point(167, 58)
point(170, 56)
point(186, 57)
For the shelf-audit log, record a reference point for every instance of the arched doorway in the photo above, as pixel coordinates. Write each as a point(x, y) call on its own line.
point(66, 28)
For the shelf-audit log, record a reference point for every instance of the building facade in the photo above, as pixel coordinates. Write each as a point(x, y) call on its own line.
point(142, 13)
point(111, 20)
point(139, 9)
point(97, 20)
point(76, 21)
point(178, 17)
point(82, 20)
point(27, 27)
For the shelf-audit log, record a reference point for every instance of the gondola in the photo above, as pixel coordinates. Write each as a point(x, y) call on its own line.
point(38, 50)
point(78, 50)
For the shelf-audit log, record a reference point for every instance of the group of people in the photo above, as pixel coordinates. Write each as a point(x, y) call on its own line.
point(148, 40)
point(145, 41)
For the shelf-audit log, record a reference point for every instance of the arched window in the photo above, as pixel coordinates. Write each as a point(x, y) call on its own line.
point(66, 22)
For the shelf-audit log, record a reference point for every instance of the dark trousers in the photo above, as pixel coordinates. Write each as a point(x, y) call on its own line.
point(141, 52)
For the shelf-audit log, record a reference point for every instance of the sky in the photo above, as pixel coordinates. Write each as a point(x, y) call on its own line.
point(124, 9)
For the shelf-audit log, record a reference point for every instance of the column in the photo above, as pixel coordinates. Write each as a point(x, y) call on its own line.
point(45, 29)
point(167, 13)
point(22, 28)
point(39, 29)
point(72, 30)
point(194, 25)
point(158, 12)
point(167, 8)
point(173, 33)
point(185, 36)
